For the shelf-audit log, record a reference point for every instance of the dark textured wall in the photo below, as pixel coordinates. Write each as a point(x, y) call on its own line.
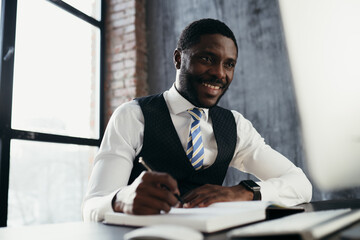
point(262, 88)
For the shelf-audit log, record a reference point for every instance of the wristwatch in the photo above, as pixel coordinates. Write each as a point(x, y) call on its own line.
point(252, 186)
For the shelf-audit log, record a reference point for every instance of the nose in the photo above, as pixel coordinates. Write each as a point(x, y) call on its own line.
point(218, 71)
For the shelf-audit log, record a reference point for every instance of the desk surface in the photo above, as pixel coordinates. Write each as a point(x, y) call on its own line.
point(99, 231)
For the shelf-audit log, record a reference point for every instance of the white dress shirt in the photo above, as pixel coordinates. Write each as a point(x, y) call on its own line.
point(281, 181)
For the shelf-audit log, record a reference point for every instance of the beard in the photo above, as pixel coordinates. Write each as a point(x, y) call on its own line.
point(189, 92)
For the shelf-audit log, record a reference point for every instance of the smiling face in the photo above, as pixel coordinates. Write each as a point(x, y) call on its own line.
point(205, 70)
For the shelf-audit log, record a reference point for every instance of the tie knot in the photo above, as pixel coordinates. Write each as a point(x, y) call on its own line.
point(195, 113)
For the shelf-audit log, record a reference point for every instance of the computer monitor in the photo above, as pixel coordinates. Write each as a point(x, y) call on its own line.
point(323, 39)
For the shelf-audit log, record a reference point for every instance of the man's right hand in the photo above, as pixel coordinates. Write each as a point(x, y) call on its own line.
point(147, 195)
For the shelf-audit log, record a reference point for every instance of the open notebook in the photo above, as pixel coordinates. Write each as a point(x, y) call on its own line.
point(306, 226)
point(216, 217)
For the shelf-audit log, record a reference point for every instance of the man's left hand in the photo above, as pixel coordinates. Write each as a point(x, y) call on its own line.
point(207, 194)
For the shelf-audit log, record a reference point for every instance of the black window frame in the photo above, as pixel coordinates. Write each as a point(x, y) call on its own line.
point(7, 50)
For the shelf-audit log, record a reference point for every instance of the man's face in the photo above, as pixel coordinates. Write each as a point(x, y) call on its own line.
point(206, 70)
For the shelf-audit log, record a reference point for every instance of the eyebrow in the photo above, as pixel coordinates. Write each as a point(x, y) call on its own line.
point(213, 54)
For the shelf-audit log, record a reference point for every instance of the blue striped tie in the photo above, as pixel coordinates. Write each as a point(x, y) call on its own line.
point(195, 148)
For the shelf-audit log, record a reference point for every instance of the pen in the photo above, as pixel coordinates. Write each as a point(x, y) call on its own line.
point(141, 160)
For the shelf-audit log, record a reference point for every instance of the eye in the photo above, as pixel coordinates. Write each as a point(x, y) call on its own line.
point(229, 65)
point(206, 59)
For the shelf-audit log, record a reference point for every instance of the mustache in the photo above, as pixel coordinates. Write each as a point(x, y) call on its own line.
point(211, 80)
point(187, 78)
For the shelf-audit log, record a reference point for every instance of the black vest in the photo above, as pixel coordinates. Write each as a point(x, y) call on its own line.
point(163, 151)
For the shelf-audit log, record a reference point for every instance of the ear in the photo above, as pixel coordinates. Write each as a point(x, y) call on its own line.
point(177, 58)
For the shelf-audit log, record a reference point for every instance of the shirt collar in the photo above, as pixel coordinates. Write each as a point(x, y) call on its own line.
point(178, 104)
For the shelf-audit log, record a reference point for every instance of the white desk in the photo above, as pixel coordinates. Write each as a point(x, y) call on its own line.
point(99, 231)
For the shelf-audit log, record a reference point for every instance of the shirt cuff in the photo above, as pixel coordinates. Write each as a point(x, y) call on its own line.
point(94, 209)
point(278, 193)
point(268, 192)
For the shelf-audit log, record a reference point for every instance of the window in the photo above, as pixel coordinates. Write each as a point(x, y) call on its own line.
point(89, 7)
point(51, 120)
point(56, 60)
point(47, 186)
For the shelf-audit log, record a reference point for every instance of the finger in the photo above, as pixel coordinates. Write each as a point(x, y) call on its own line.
point(190, 196)
point(210, 200)
point(204, 196)
point(196, 202)
point(217, 194)
point(163, 195)
point(149, 204)
point(139, 205)
point(155, 206)
point(162, 179)
point(144, 210)
point(156, 192)
point(203, 190)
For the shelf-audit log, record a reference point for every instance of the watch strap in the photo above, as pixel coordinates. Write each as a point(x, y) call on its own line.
point(252, 186)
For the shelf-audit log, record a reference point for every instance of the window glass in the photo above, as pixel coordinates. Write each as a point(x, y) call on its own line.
point(56, 72)
point(47, 186)
point(89, 7)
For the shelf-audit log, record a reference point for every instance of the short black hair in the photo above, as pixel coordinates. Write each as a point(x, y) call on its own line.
point(192, 33)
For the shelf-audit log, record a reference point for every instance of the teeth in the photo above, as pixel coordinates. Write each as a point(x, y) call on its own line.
point(211, 86)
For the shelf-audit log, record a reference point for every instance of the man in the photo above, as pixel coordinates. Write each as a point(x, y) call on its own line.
point(188, 140)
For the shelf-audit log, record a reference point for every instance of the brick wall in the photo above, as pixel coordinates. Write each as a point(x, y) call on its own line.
point(126, 59)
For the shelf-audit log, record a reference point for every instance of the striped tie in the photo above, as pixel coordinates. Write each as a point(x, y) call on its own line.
point(195, 148)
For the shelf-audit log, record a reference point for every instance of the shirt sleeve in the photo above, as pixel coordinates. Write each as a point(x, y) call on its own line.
point(280, 180)
point(114, 160)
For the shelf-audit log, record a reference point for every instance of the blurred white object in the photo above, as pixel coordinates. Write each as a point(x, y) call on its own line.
point(164, 231)
point(323, 39)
